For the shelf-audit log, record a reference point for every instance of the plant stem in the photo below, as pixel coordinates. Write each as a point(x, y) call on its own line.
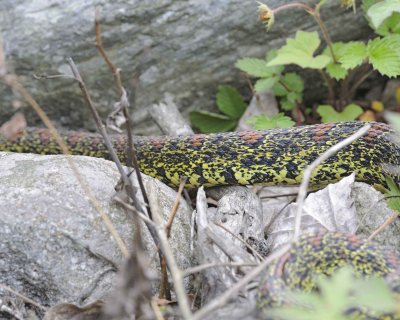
point(329, 84)
point(325, 34)
point(292, 5)
point(317, 17)
point(358, 83)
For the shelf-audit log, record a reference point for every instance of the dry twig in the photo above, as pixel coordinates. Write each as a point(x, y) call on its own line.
point(387, 222)
point(26, 299)
point(206, 266)
point(176, 273)
point(12, 81)
point(235, 289)
point(307, 174)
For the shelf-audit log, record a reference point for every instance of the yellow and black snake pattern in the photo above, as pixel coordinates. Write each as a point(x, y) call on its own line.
point(323, 254)
point(271, 157)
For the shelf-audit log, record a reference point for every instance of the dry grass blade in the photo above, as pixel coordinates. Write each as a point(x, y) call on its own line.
point(12, 81)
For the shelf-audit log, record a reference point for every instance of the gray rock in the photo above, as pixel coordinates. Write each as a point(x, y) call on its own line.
point(54, 247)
point(187, 48)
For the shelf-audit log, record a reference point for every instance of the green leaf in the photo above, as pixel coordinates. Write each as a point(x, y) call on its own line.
point(294, 97)
point(262, 122)
point(230, 102)
point(384, 55)
point(300, 51)
point(390, 26)
point(294, 82)
point(328, 114)
point(209, 122)
point(286, 104)
point(393, 193)
point(279, 90)
point(348, 55)
point(289, 102)
point(353, 54)
point(376, 293)
point(271, 54)
point(338, 295)
point(265, 83)
point(290, 82)
point(336, 71)
point(336, 289)
point(255, 67)
point(381, 11)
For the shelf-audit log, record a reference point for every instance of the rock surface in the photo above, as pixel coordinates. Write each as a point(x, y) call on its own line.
point(187, 48)
point(54, 247)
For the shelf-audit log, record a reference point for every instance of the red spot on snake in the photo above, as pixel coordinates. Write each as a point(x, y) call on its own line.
point(156, 142)
point(75, 137)
point(44, 135)
point(197, 140)
point(319, 133)
point(376, 130)
point(120, 142)
point(250, 137)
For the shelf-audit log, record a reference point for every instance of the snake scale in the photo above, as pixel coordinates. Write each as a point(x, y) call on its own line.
point(270, 157)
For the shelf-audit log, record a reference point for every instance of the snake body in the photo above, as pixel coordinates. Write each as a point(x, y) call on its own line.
point(323, 254)
point(270, 157)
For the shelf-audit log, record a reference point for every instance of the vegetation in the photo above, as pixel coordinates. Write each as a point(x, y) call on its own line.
point(343, 66)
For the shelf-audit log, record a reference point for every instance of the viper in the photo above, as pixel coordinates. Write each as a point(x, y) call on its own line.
point(270, 157)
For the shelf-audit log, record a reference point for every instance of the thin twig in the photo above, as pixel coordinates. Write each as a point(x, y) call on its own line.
point(241, 240)
point(26, 299)
point(164, 287)
point(308, 171)
point(132, 157)
point(54, 76)
point(206, 266)
point(383, 226)
point(100, 125)
point(127, 206)
point(176, 273)
point(12, 81)
point(175, 207)
point(156, 310)
point(100, 47)
point(223, 299)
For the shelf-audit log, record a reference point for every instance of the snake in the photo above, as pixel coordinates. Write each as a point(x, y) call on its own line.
point(322, 255)
point(269, 157)
point(261, 157)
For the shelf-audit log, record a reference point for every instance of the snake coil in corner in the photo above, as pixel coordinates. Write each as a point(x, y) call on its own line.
point(271, 157)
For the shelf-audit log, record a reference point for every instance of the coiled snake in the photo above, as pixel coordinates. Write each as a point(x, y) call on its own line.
point(271, 157)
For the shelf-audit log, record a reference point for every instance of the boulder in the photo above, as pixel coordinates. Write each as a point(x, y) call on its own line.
point(186, 48)
point(54, 246)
